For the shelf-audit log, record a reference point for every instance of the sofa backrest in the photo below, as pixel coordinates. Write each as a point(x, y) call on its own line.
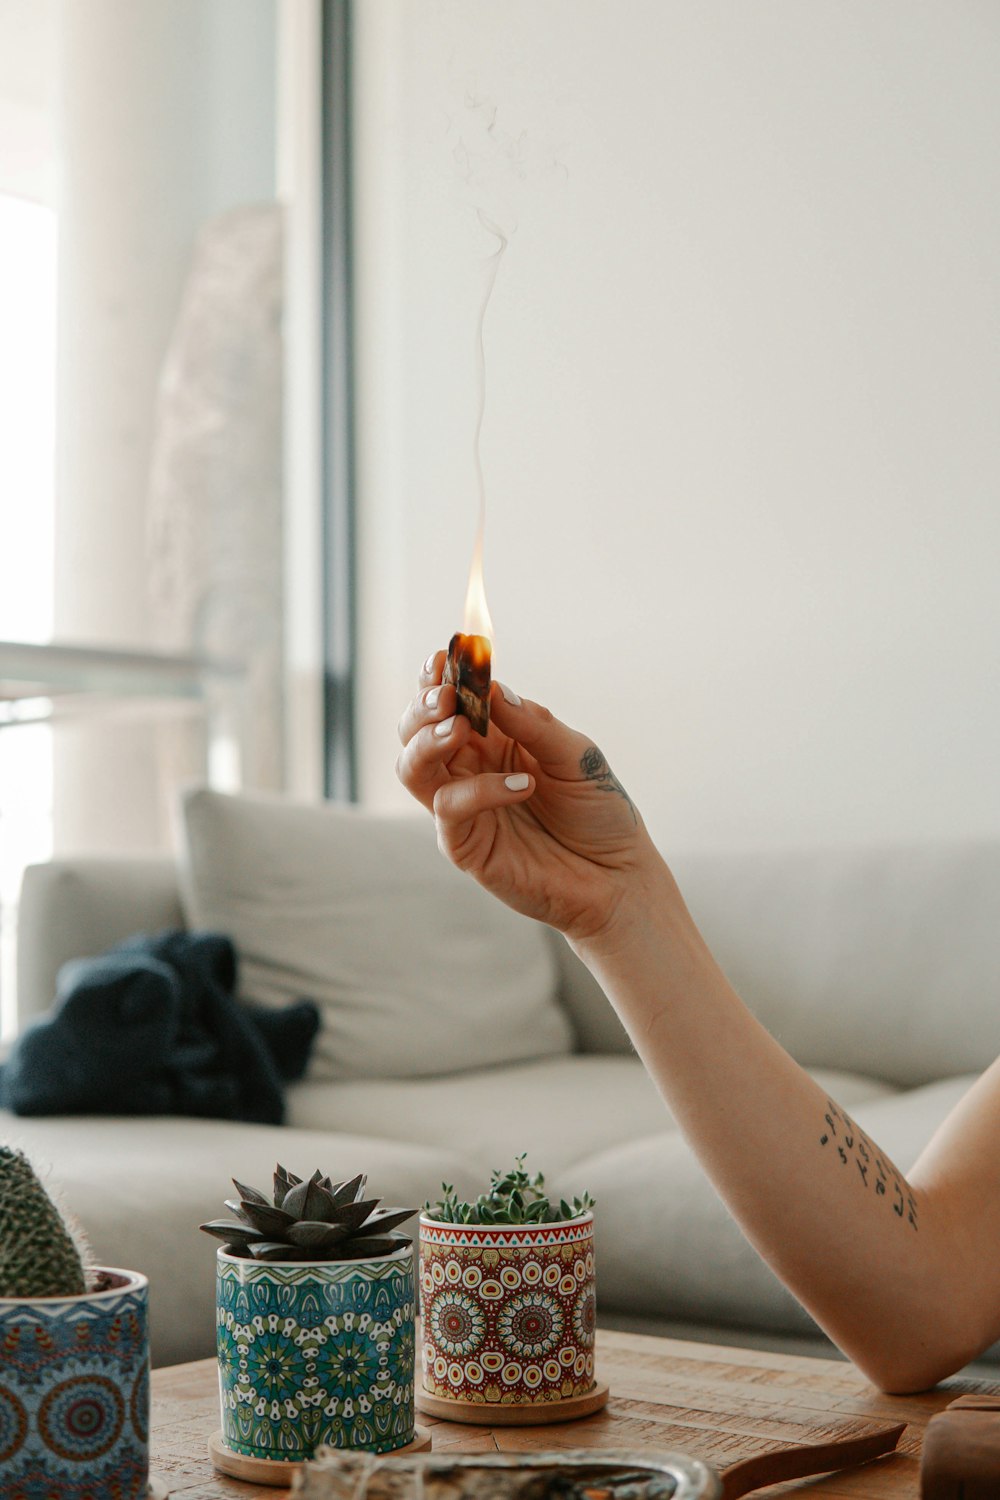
point(884, 962)
point(75, 908)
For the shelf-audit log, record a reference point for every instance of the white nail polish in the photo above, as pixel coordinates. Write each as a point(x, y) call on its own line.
point(433, 694)
point(445, 727)
point(517, 782)
point(509, 694)
point(429, 664)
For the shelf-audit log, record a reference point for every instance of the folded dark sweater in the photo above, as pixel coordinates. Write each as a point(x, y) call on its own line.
point(153, 1027)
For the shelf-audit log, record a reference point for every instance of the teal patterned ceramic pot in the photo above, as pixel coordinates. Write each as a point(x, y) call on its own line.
point(74, 1392)
point(315, 1353)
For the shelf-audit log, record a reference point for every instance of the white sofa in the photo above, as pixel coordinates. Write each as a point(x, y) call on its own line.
point(879, 970)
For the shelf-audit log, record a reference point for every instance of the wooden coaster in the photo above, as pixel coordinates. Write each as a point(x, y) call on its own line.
point(523, 1414)
point(277, 1471)
point(157, 1489)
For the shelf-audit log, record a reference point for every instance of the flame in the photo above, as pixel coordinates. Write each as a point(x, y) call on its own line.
point(477, 615)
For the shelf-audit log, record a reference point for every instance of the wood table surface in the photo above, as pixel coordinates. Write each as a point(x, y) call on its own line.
point(711, 1402)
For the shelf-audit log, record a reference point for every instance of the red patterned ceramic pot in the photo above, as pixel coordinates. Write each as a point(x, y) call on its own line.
point(508, 1310)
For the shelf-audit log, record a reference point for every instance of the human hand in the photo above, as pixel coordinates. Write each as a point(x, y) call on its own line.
point(532, 811)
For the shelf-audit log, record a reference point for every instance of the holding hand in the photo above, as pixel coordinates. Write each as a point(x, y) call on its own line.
point(532, 811)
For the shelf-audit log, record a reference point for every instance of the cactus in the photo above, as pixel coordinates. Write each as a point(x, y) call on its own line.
point(38, 1256)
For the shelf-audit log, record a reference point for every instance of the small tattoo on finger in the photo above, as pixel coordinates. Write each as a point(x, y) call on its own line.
point(596, 769)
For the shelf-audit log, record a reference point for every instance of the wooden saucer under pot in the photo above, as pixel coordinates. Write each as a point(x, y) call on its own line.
point(279, 1473)
point(514, 1413)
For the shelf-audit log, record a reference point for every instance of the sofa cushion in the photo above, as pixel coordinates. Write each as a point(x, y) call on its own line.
point(861, 959)
point(668, 1248)
point(556, 1109)
point(561, 1110)
point(416, 970)
point(79, 907)
point(141, 1188)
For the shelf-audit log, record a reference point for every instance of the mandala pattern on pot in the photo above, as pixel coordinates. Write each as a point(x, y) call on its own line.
point(313, 1354)
point(585, 1319)
point(457, 1323)
point(82, 1417)
point(508, 1311)
point(69, 1370)
point(13, 1424)
point(531, 1324)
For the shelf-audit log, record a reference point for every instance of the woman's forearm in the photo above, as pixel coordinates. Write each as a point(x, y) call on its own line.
point(901, 1275)
point(862, 1250)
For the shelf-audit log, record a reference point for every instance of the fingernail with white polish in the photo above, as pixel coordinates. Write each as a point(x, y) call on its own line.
point(429, 663)
point(432, 697)
point(509, 694)
point(445, 727)
point(517, 782)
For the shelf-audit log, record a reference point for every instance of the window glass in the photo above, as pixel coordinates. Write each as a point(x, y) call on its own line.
point(27, 460)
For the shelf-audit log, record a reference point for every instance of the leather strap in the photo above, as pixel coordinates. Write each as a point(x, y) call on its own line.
point(806, 1459)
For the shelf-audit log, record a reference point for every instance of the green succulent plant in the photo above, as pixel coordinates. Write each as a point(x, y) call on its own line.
point(513, 1198)
point(38, 1254)
point(309, 1220)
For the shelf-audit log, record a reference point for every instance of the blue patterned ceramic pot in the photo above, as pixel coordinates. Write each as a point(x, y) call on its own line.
point(74, 1392)
point(315, 1352)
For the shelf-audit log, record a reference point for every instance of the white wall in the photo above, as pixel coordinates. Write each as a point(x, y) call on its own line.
point(743, 381)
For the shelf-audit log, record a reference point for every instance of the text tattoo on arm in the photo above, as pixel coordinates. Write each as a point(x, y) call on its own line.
point(857, 1152)
point(596, 769)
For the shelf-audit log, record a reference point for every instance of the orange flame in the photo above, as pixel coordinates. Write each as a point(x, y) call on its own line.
point(477, 615)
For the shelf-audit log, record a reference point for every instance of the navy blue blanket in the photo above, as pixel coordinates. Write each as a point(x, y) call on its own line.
point(153, 1028)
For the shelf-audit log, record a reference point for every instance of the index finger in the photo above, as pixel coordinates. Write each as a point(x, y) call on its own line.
point(433, 668)
point(556, 748)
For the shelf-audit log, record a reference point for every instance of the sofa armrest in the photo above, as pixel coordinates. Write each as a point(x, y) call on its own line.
point(595, 1024)
point(75, 908)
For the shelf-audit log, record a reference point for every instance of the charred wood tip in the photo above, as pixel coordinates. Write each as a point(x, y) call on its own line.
point(467, 669)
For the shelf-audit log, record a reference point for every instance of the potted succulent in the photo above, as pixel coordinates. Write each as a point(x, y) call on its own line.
point(315, 1321)
point(74, 1355)
point(508, 1303)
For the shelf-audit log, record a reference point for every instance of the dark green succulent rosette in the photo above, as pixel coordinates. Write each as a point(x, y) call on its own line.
point(310, 1221)
point(315, 1319)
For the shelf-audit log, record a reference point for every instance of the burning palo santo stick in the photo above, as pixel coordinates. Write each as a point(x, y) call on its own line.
point(468, 670)
point(470, 650)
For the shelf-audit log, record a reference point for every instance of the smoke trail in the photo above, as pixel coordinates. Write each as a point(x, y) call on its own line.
point(493, 269)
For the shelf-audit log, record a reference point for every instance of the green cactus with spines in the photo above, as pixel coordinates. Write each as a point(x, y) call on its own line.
point(38, 1255)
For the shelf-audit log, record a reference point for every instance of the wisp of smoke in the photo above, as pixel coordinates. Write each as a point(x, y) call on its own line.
point(493, 267)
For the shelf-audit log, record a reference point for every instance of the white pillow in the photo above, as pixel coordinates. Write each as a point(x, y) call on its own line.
point(415, 968)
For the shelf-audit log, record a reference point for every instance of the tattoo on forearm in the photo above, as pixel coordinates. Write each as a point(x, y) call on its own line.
point(595, 768)
point(876, 1173)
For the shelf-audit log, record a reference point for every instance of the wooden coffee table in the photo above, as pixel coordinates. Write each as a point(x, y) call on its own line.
point(711, 1402)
